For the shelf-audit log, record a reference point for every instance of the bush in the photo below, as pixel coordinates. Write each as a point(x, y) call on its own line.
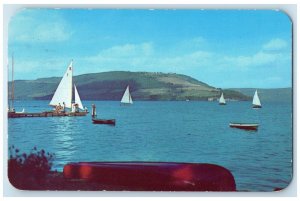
point(29, 169)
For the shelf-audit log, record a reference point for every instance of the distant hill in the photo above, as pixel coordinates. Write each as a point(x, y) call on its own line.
point(111, 86)
point(265, 95)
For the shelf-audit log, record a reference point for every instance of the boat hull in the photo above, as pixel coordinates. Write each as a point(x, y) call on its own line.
point(256, 106)
point(153, 176)
point(104, 121)
point(245, 126)
point(125, 104)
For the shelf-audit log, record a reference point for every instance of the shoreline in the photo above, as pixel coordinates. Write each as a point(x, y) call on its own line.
point(55, 181)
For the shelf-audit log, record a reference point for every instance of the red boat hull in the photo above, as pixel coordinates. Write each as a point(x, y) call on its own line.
point(104, 121)
point(153, 176)
point(244, 126)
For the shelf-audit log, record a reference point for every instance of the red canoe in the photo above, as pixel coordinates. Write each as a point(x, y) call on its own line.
point(153, 176)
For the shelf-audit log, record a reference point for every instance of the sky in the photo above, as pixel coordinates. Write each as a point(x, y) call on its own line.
point(223, 48)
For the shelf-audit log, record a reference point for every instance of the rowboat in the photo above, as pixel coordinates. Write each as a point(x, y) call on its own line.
point(100, 121)
point(153, 176)
point(246, 126)
point(104, 121)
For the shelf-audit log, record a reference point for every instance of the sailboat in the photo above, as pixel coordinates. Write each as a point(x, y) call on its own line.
point(256, 102)
point(63, 96)
point(222, 100)
point(126, 99)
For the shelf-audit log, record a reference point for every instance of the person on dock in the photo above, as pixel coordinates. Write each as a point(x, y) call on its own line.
point(64, 106)
point(76, 107)
point(94, 114)
point(58, 108)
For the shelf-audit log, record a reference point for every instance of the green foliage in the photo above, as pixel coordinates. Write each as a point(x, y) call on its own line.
point(235, 95)
point(269, 95)
point(24, 169)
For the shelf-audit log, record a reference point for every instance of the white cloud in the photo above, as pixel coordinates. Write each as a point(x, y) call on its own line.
point(128, 55)
point(198, 59)
point(29, 26)
point(257, 59)
point(25, 69)
point(196, 42)
point(270, 53)
point(275, 44)
point(188, 45)
point(128, 50)
point(143, 57)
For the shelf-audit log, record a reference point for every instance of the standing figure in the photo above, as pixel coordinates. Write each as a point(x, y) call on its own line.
point(94, 114)
point(64, 106)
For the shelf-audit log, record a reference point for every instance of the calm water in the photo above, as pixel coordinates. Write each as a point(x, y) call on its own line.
point(169, 131)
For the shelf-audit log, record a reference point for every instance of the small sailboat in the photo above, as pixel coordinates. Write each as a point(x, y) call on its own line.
point(126, 99)
point(256, 102)
point(63, 96)
point(222, 100)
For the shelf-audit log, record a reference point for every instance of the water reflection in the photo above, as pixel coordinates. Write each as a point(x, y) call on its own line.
point(63, 139)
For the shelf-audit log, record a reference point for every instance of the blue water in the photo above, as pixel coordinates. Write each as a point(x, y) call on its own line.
point(169, 131)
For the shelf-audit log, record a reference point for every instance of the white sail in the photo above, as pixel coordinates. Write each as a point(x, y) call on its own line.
point(77, 98)
point(222, 100)
point(256, 100)
point(126, 97)
point(63, 93)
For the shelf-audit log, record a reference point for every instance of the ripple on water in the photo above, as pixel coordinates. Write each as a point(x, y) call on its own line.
point(170, 131)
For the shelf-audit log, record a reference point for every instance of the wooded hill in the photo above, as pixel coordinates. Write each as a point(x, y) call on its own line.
point(111, 86)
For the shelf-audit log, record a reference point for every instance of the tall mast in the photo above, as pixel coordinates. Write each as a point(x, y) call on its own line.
point(71, 86)
point(8, 84)
point(12, 83)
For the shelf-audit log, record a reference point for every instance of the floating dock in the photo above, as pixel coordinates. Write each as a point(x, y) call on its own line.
point(45, 114)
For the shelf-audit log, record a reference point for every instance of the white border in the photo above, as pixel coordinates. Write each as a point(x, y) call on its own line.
point(291, 191)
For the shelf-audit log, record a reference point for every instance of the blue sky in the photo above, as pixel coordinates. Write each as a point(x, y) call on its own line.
point(223, 48)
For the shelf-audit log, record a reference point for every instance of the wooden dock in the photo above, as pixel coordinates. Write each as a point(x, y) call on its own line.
point(45, 114)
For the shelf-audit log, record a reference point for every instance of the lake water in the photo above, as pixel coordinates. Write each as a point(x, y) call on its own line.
point(192, 131)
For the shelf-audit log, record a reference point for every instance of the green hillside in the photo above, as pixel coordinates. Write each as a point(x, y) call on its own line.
point(265, 95)
point(111, 86)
